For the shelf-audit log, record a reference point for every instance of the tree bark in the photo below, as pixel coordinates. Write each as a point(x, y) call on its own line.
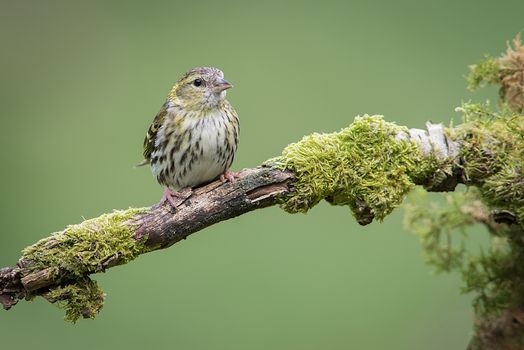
point(256, 188)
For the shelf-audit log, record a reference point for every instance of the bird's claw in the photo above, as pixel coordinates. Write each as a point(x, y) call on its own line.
point(175, 198)
point(230, 176)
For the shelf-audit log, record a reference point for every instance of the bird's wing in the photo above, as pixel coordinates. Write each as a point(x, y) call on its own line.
point(149, 141)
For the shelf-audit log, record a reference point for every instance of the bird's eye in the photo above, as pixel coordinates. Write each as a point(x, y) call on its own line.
point(197, 82)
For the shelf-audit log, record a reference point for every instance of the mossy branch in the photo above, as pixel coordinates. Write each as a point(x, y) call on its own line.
point(493, 156)
point(58, 267)
point(369, 166)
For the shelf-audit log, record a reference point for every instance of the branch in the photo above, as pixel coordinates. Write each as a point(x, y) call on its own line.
point(92, 245)
point(369, 166)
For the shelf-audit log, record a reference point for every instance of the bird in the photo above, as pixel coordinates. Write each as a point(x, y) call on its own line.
point(194, 137)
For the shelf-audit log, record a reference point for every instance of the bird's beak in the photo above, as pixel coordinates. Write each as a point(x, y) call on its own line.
point(222, 84)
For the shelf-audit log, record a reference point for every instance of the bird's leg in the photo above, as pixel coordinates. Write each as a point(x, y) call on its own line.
point(168, 197)
point(230, 176)
point(175, 198)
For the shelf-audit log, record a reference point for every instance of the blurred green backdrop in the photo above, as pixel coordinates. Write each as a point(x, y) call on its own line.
point(80, 83)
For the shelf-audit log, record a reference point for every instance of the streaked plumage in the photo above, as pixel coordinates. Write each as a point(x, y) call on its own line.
point(193, 138)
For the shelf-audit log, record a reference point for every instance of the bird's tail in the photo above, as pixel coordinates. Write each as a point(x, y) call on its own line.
point(142, 163)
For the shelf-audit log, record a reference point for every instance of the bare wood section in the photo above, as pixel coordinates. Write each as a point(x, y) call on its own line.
point(256, 188)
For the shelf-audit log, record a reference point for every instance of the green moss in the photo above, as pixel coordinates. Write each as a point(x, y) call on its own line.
point(87, 247)
point(492, 154)
point(484, 72)
point(364, 166)
point(82, 299)
point(494, 274)
point(435, 223)
point(80, 250)
point(492, 149)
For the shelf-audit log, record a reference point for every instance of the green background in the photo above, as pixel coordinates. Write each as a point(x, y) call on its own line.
point(80, 83)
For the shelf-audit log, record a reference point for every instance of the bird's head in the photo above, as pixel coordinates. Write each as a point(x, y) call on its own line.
point(201, 88)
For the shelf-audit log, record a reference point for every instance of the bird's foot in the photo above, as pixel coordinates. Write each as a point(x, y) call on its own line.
point(175, 198)
point(230, 176)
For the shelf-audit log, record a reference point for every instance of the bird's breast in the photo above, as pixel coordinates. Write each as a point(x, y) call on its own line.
point(193, 149)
